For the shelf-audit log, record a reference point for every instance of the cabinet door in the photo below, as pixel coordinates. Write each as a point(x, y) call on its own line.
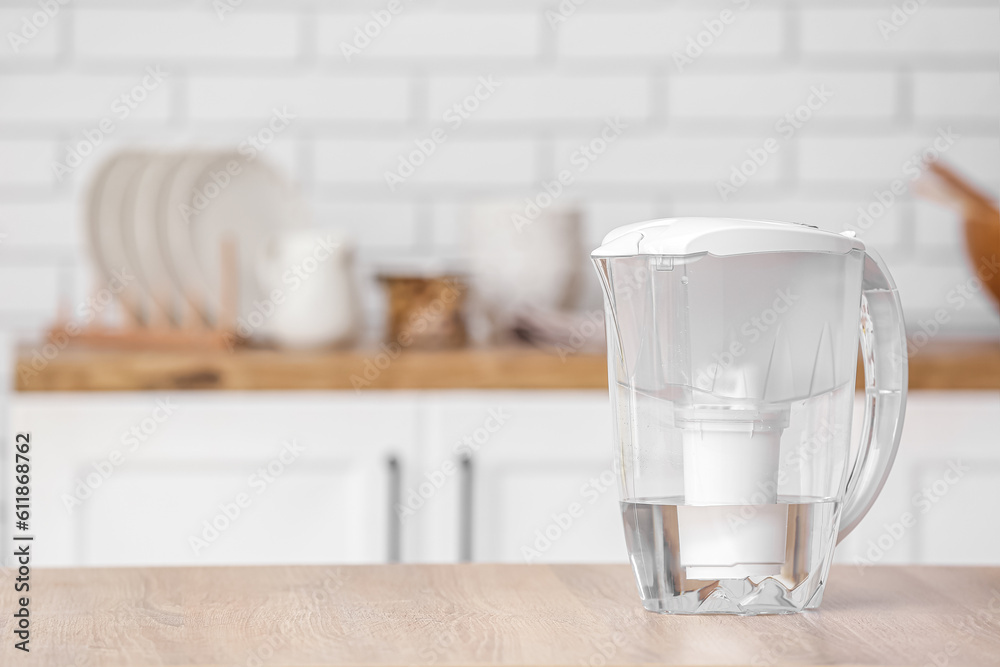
point(938, 505)
point(538, 487)
point(213, 478)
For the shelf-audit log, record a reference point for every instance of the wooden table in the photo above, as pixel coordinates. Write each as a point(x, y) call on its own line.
point(485, 615)
point(938, 365)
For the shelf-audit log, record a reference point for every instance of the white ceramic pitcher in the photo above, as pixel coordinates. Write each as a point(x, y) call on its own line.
point(308, 277)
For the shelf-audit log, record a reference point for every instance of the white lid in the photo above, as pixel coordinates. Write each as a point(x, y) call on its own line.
point(721, 236)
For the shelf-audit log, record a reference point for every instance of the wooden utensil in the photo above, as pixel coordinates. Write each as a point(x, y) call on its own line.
point(982, 220)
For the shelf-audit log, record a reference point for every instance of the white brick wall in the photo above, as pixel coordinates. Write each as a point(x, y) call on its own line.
point(41, 225)
point(688, 122)
point(26, 163)
point(551, 97)
point(43, 46)
point(310, 97)
point(417, 33)
point(956, 95)
point(604, 33)
point(456, 162)
point(72, 98)
point(184, 34)
point(651, 160)
point(862, 95)
point(932, 30)
point(31, 290)
point(880, 158)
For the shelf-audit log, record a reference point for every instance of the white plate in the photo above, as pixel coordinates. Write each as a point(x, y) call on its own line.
point(248, 207)
point(105, 225)
point(142, 237)
point(179, 261)
point(92, 207)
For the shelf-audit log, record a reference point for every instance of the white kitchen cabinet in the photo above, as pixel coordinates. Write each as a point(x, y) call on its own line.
point(538, 486)
point(277, 478)
point(541, 486)
point(554, 442)
point(940, 503)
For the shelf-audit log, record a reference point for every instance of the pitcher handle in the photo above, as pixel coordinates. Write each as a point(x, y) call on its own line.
point(883, 349)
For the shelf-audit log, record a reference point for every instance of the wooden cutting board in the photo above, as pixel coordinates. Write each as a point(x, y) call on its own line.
point(485, 615)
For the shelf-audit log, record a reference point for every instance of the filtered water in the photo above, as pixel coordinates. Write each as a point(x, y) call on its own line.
point(730, 559)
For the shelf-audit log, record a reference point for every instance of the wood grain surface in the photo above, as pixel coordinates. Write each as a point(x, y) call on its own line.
point(503, 368)
point(937, 365)
point(486, 615)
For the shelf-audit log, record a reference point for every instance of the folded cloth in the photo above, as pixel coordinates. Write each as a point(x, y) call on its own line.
point(560, 332)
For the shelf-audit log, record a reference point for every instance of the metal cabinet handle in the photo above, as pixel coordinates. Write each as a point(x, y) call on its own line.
point(395, 499)
point(465, 510)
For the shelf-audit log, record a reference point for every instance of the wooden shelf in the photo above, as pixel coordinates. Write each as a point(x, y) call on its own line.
point(956, 365)
point(78, 370)
point(941, 365)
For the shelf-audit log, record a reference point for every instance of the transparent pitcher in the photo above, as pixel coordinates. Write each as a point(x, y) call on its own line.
point(732, 354)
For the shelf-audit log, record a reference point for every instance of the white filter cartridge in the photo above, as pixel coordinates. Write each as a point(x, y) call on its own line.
point(731, 525)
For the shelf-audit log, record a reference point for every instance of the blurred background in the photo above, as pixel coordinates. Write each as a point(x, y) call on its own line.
point(449, 166)
point(686, 124)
